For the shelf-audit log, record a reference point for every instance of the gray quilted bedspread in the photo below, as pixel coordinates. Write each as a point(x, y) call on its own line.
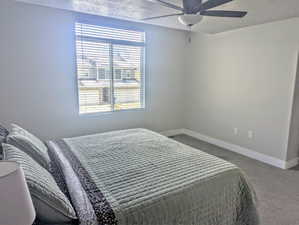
point(149, 179)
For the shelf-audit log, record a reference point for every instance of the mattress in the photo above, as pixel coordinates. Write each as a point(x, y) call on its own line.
point(138, 177)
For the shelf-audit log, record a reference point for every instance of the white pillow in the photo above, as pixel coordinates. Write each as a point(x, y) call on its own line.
point(30, 144)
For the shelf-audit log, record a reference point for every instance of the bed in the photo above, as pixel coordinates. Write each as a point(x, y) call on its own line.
point(139, 177)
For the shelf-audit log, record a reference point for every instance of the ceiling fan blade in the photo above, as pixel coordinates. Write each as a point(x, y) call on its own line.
point(190, 5)
point(212, 3)
point(157, 17)
point(222, 13)
point(169, 5)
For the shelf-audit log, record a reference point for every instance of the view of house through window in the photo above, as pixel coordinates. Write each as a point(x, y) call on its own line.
point(110, 66)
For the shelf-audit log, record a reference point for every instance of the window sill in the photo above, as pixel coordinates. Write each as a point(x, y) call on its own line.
point(97, 114)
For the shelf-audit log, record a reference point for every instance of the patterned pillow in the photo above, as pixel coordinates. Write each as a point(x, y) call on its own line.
point(30, 144)
point(51, 205)
point(3, 133)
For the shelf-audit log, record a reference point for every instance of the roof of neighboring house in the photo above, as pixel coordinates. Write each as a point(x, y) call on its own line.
point(100, 58)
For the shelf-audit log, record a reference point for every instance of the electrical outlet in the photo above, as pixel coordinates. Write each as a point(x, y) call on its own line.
point(236, 131)
point(250, 134)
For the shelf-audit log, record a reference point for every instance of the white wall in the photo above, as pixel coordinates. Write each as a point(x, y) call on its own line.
point(38, 80)
point(293, 143)
point(244, 79)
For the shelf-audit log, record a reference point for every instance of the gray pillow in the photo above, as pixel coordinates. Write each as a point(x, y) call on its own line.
point(51, 205)
point(30, 144)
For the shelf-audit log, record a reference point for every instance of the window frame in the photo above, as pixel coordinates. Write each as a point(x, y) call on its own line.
point(112, 42)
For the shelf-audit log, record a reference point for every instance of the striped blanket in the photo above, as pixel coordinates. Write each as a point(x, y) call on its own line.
point(138, 177)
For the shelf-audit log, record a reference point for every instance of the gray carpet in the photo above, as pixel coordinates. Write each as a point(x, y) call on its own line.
point(277, 189)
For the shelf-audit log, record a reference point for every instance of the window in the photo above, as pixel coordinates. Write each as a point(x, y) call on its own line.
point(110, 67)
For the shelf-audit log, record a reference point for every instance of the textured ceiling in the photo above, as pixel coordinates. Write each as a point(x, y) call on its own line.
point(259, 11)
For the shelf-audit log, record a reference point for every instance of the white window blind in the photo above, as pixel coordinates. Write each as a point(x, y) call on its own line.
point(110, 67)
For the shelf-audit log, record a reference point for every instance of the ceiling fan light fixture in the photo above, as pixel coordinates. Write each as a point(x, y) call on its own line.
point(190, 19)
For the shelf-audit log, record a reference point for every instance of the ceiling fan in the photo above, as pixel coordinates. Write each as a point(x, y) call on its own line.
point(194, 10)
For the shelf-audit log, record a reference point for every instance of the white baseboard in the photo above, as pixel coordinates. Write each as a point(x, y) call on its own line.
point(236, 148)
